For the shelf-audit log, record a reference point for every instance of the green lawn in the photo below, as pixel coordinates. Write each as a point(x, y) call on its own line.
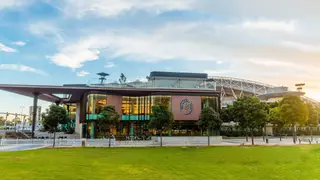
point(300, 162)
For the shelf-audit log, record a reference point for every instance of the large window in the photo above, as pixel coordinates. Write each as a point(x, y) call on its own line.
point(71, 109)
point(162, 100)
point(209, 101)
point(136, 108)
point(96, 103)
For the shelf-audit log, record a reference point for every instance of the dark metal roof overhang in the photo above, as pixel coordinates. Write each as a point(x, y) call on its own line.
point(155, 74)
point(280, 94)
point(47, 92)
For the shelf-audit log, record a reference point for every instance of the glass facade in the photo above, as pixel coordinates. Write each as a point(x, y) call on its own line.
point(162, 100)
point(209, 101)
point(95, 103)
point(135, 112)
point(136, 108)
point(139, 108)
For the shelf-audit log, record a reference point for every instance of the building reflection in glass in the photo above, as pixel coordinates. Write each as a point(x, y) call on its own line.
point(96, 103)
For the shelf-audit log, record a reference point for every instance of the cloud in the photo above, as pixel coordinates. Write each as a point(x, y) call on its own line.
point(5, 48)
point(270, 25)
point(109, 65)
point(259, 41)
point(19, 43)
point(271, 63)
point(22, 68)
point(46, 29)
point(192, 41)
point(82, 73)
point(219, 72)
point(111, 8)
point(232, 8)
point(13, 3)
point(301, 46)
point(74, 55)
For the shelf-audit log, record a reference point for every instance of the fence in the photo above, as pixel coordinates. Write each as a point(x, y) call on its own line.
point(155, 141)
point(22, 144)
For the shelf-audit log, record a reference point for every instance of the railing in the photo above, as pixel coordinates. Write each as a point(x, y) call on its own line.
point(27, 144)
point(155, 141)
point(143, 85)
point(240, 80)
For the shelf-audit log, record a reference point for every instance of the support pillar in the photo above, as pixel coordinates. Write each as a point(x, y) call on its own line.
point(34, 113)
point(78, 128)
point(131, 129)
point(92, 130)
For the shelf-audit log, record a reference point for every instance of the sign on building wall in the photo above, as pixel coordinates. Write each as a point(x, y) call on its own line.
point(186, 107)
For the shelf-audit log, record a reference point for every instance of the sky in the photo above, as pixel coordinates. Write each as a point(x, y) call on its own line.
point(55, 42)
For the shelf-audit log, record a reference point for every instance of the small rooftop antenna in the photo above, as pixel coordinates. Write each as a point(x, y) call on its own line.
point(102, 76)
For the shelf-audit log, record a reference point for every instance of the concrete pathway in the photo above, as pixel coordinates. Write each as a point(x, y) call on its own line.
point(20, 147)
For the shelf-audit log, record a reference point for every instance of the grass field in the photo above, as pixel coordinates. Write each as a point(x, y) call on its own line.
point(300, 162)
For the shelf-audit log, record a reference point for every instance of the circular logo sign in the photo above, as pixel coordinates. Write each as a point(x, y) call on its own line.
point(186, 106)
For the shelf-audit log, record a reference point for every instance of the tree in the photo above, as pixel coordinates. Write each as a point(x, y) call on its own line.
point(251, 114)
point(293, 111)
point(54, 116)
point(2, 121)
point(209, 120)
point(238, 111)
point(226, 114)
point(274, 104)
point(16, 121)
point(312, 120)
point(107, 118)
point(160, 119)
point(122, 79)
point(274, 118)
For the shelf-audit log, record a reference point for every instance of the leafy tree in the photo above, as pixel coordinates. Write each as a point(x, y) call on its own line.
point(107, 118)
point(313, 117)
point(238, 112)
point(226, 114)
point(160, 119)
point(16, 120)
point(2, 121)
point(250, 113)
point(293, 111)
point(274, 104)
point(274, 118)
point(69, 127)
point(122, 78)
point(209, 120)
point(54, 116)
point(29, 120)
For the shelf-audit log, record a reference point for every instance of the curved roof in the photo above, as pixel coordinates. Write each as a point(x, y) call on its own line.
point(155, 74)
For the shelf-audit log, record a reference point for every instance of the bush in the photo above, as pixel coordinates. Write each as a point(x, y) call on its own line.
point(68, 128)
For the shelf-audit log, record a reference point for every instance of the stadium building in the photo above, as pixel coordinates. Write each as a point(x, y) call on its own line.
point(185, 94)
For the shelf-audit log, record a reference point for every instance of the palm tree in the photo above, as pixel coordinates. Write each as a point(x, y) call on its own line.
point(122, 79)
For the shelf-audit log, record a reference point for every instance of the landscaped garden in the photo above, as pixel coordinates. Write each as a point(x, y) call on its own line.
point(298, 162)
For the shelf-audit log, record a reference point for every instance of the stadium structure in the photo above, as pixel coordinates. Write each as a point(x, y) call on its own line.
point(185, 94)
